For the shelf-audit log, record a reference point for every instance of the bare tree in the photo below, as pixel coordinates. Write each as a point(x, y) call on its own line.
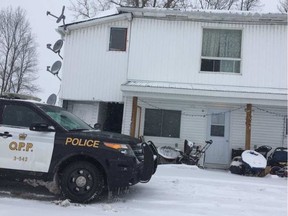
point(217, 4)
point(18, 57)
point(283, 6)
point(89, 8)
point(248, 5)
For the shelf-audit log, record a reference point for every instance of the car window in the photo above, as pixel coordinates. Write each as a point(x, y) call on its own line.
point(65, 118)
point(20, 116)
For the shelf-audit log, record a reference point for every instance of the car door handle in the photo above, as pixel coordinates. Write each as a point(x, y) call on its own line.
point(5, 134)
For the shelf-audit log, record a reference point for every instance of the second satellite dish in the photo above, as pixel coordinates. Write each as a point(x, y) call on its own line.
point(52, 99)
point(57, 46)
point(56, 67)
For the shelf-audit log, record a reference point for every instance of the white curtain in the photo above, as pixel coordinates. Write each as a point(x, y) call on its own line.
point(223, 43)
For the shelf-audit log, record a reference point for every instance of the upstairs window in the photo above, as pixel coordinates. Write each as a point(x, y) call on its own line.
point(162, 123)
point(118, 39)
point(221, 50)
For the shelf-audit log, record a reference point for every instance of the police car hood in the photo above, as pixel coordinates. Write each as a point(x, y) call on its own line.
point(107, 136)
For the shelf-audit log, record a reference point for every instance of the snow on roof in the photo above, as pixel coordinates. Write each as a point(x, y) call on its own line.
point(187, 11)
point(193, 14)
point(216, 15)
point(189, 86)
point(109, 12)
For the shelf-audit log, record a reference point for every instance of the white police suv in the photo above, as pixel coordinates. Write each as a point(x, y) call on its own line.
point(45, 142)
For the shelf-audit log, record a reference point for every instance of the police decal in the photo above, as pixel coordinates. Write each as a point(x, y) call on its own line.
point(82, 142)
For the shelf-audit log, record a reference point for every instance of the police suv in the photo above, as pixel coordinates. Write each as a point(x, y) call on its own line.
point(45, 142)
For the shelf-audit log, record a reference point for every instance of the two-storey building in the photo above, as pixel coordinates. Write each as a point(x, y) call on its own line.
point(171, 75)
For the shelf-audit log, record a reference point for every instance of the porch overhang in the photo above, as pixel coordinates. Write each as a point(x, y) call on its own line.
point(206, 93)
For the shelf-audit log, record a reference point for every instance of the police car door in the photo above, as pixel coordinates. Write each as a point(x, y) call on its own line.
point(21, 148)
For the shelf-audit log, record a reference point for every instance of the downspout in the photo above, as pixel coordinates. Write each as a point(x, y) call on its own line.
point(128, 54)
point(135, 99)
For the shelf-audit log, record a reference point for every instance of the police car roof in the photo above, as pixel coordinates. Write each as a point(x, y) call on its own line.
point(8, 95)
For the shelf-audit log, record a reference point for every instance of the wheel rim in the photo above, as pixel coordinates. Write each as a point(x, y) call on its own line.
point(80, 181)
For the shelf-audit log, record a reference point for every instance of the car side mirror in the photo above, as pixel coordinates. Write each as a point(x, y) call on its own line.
point(97, 126)
point(41, 127)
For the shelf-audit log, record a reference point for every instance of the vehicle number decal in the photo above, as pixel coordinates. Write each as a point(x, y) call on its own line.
point(24, 159)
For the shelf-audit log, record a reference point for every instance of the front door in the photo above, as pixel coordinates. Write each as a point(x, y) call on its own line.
point(21, 148)
point(218, 130)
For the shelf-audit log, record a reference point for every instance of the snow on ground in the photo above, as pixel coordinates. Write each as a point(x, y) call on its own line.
point(174, 190)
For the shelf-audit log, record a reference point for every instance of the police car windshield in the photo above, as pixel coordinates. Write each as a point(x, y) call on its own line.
point(65, 118)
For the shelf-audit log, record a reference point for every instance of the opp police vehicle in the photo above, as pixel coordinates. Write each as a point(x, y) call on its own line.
point(46, 142)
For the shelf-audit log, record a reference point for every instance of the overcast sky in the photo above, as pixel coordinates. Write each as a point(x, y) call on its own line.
point(44, 26)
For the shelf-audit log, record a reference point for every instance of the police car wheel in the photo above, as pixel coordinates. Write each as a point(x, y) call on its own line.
point(81, 182)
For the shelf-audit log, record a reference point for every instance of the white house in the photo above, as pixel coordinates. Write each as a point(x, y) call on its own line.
point(175, 75)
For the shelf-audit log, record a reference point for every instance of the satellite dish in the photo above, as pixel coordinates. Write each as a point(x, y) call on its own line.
point(56, 67)
point(61, 17)
point(52, 99)
point(57, 46)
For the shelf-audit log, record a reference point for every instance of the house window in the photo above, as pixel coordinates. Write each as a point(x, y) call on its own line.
point(162, 123)
point(217, 125)
point(221, 50)
point(118, 38)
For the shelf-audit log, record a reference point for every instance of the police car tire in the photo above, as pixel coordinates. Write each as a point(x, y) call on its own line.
point(81, 182)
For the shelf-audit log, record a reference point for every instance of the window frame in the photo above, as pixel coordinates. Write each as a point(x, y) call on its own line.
point(30, 108)
point(33, 107)
point(109, 39)
point(221, 58)
point(217, 124)
point(178, 132)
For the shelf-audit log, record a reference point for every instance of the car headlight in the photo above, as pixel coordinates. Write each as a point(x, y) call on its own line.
point(123, 148)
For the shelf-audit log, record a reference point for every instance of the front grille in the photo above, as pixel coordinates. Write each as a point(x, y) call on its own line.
point(138, 151)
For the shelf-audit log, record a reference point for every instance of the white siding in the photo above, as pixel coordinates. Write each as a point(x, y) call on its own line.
point(86, 111)
point(238, 129)
point(170, 51)
point(268, 128)
point(90, 71)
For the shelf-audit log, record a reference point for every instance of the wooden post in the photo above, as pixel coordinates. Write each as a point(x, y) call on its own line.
point(134, 116)
point(248, 127)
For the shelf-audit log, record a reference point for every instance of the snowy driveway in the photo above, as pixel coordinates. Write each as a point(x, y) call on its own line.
point(175, 190)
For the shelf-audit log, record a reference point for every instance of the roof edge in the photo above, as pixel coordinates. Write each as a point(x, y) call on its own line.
point(132, 88)
point(208, 15)
point(93, 21)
